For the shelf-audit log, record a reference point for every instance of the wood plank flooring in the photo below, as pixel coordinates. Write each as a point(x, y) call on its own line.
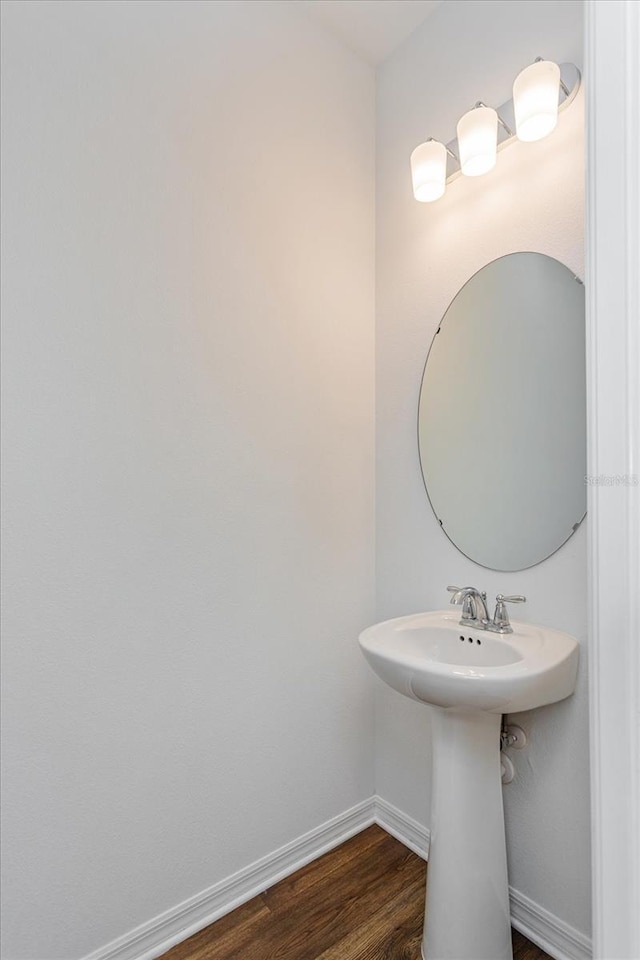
point(362, 901)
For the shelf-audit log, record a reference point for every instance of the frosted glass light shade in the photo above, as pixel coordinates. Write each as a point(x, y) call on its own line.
point(536, 91)
point(478, 141)
point(429, 171)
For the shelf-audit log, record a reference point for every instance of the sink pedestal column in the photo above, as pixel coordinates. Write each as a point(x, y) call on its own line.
point(467, 907)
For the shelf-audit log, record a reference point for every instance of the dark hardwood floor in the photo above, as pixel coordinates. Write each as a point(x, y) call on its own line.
point(362, 901)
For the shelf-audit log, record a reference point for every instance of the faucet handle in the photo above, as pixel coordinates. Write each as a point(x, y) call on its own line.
point(454, 589)
point(500, 622)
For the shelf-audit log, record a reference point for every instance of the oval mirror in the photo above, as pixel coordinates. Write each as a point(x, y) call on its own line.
point(502, 413)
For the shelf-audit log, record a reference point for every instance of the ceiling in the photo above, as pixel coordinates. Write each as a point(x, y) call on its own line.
point(371, 28)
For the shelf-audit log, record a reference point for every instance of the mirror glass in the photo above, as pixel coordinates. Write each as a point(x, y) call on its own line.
point(502, 413)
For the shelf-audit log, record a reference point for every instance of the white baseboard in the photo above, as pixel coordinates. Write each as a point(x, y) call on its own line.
point(550, 933)
point(401, 826)
point(152, 939)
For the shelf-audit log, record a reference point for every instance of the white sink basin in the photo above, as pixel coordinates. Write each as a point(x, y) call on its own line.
point(430, 657)
point(468, 678)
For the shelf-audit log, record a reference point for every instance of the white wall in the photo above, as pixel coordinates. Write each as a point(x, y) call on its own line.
point(188, 347)
point(532, 201)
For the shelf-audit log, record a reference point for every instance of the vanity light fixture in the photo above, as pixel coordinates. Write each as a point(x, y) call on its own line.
point(540, 91)
point(429, 170)
point(478, 140)
point(536, 92)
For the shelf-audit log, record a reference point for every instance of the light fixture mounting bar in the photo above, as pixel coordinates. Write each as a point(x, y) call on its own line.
point(570, 79)
point(505, 126)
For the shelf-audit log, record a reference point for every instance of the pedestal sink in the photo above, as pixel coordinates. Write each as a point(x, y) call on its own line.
point(469, 677)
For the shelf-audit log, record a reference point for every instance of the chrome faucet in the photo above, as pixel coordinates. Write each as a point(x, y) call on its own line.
point(474, 606)
point(475, 613)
